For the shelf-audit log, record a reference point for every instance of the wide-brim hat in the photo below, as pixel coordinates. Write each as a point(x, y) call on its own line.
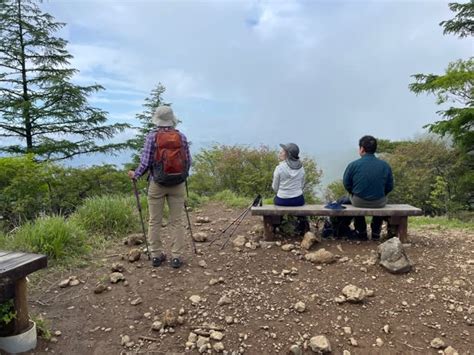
point(291, 149)
point(164, 117)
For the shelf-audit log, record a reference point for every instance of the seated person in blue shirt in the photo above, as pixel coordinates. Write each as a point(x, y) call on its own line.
point(368, 181)
point(288, 177)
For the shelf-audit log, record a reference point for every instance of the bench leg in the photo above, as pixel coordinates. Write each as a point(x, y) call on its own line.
point(21, 306)
point(268, 226)
point(401, 223)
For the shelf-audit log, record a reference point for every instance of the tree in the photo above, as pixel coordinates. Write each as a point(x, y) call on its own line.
point(456, 86)
point(151, 103)
point(39, 105)
point(463, 23)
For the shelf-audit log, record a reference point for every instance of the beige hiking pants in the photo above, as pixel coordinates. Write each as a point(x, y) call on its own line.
point(156, 201)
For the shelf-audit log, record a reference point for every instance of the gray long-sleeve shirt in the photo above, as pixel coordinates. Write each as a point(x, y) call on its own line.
point(288, 183)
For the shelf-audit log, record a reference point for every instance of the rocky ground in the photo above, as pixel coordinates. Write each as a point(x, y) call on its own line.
point(253, 297)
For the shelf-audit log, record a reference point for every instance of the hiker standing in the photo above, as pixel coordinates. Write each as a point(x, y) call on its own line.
point(368, 181)
point(167, 159)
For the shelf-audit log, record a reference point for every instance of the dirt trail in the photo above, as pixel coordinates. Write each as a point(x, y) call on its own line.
point(249, 296)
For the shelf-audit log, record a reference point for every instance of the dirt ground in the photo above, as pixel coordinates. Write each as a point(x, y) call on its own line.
point(406, 312)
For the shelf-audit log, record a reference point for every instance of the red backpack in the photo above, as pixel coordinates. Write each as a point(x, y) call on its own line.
point(170, 163)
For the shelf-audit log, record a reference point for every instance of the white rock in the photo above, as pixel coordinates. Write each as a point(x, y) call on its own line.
point(215, 335)
point(239, 241)
point(300, 307)
point(116, 277)
point(320, 344)
point(202, 341)
point(192, 337)
point(64, 283)
point(124, 340)
point(386, 328)
point(347, 330)
point(354, 342)
point(295, 350)
point(287, 247)
point(224, 300)
point(308, 240)
point(322, 256)
point(218, 347)
point(136, 301)
point(195, 299)
point(379, 342)
point(437, 343)
point(203, 264)
point(353, 293)
point(157, 325)
point(450, 351)
point(200, 236)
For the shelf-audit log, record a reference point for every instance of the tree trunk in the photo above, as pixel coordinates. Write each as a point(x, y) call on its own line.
point(26, 99)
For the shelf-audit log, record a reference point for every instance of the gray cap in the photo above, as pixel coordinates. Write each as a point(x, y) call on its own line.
point(291, 149)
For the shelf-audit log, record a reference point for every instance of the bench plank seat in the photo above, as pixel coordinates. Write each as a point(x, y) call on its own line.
point(14, 267)
point(319, 210)
point(397, 215)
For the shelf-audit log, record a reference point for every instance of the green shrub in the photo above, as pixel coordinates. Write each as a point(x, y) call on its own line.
point(54, 236)
point(244, 171)
point(442, 222)
point(109, 216)
point(231, 199)
point(195, 200)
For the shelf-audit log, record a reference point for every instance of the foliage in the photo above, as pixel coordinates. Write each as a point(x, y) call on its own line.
point(54, 236)
point(23, 193)
point(334, 191)
point(231, 199)
point(39, 104)
point(463, 23)
point(43, 327)
point(108, 215)
point(426, 174)
point(244, 171)
point(455, 86)
point(443, 222)
point(29, 189)
point(7, 312)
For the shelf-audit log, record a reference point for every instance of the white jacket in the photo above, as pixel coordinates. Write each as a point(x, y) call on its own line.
point(287, 182)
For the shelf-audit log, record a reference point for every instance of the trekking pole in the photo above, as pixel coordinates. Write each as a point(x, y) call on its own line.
point(230, 225)
point(235, 228)
point(189, 221)
point(139, 206)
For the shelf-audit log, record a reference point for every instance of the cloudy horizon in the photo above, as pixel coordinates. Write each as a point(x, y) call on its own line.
point(317, 73)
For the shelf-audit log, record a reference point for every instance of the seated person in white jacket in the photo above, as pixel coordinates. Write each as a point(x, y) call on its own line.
point(288, 177)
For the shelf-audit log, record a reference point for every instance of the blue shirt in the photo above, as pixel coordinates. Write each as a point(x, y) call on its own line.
point(369, 178)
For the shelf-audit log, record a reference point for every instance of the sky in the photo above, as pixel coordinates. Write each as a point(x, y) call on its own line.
point(317, 73)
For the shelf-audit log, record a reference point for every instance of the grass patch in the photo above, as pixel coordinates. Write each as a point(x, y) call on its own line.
point(230, 199)
point(54, 236)
point(42, 327)
point(441, 223)
point(110, 216)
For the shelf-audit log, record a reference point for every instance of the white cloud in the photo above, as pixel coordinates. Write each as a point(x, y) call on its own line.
point(320, 73)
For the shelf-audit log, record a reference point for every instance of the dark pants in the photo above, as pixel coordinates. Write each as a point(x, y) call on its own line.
point(294, 201)
point(360, 224)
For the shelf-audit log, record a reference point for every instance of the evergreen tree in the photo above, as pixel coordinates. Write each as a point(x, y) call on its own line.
point(151, 103)
point(40, 107)
point(455, 86)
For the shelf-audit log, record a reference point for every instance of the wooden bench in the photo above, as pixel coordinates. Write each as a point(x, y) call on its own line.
point(14, 267)
point(398, 215)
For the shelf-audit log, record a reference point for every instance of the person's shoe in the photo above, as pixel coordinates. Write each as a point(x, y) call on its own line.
point(176, 263)
point(158, 260)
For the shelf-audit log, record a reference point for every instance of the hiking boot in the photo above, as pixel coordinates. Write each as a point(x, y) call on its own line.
point(176, 263)
point(158, 260)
